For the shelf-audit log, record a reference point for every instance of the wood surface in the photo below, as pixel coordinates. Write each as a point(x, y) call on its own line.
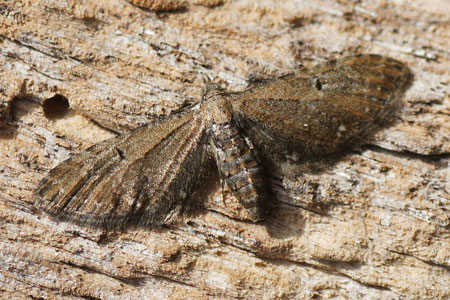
point(374, 225)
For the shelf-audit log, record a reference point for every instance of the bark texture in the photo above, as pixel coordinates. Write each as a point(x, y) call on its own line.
point(375, 225)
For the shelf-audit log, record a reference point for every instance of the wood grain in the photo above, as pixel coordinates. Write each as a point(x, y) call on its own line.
point(374, 226)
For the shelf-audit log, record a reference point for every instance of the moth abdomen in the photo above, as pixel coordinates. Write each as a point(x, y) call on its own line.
point(239, 167)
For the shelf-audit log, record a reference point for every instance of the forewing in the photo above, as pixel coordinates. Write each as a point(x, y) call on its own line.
point(325, 109)
point(138, 178)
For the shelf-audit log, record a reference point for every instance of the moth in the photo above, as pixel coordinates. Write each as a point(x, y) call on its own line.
point(143, 177)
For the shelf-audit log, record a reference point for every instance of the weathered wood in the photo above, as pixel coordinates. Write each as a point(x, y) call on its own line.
point(375, 225)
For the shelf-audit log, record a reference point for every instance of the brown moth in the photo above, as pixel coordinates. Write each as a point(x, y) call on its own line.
point(143, 177)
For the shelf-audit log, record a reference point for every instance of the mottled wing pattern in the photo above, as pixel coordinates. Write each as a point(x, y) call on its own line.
point(323, 110)
point(138, 178)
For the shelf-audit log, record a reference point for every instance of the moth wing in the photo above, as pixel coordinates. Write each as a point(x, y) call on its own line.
point(138, 178)
point(325, 109)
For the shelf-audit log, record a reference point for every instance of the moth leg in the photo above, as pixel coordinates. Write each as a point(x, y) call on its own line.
point(222, 186)
point(237, 161)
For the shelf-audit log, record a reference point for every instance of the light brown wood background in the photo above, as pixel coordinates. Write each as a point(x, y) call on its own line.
point(374, 226)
